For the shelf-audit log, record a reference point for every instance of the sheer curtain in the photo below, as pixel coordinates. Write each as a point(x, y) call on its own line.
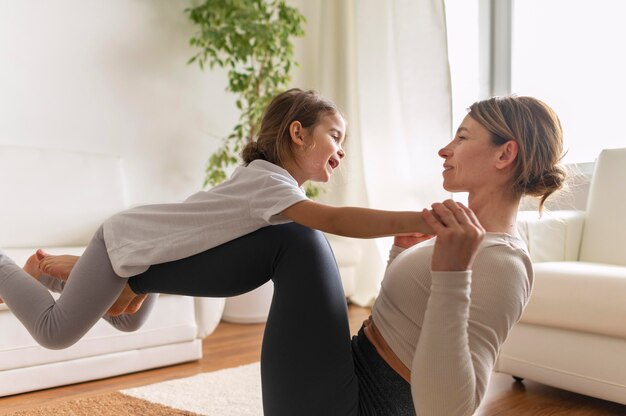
point(404, 99)
point(386, 65)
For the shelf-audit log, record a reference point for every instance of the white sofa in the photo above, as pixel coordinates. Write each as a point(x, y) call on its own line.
point(572, 334)
point(55, 200)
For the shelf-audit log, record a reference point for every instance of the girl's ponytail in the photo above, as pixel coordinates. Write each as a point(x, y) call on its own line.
point(252, 152)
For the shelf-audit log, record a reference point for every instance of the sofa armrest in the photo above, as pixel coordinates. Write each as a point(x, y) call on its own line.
point(208, 314)
point(555, 236)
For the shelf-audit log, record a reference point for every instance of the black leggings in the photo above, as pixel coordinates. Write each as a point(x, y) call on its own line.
point(307, 366)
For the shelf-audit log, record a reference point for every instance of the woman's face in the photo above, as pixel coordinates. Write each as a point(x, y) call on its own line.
point(470, 159)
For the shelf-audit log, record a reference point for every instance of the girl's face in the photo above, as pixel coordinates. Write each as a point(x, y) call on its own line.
point(319, 150)
point(471, 161)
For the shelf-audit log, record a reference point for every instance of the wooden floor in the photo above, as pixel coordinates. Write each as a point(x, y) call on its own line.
point(232, 345)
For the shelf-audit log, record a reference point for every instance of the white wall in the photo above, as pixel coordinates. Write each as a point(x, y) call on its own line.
point(111, 77)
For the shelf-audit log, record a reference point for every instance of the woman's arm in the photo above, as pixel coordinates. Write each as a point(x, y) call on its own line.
point(356, 222)
point(468, 315)
point(443, 377)
point(467, 319)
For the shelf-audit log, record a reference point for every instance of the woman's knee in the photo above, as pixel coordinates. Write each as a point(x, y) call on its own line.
point(304, 251)
point(303, 239)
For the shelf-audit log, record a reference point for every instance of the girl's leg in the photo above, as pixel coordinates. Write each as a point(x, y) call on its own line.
point(130, 322)
point(53, 284)
point(125, 322)
point(91, 289)
point(306, 361)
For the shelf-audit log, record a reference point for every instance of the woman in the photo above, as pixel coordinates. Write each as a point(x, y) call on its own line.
point(445, 305)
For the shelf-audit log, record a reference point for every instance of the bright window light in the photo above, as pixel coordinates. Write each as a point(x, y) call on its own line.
point(571, 54)
point(462, 24)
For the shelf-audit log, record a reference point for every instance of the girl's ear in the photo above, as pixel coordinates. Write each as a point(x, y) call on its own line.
point(507, 155)
point(296, 133)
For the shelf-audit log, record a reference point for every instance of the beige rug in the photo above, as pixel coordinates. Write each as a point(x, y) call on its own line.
point(230, 392)
point(113, 404)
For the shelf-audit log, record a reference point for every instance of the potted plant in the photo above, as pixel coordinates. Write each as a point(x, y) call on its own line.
point(252, 40)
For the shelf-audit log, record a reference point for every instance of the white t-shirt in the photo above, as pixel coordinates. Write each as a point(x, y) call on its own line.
point(252, 198)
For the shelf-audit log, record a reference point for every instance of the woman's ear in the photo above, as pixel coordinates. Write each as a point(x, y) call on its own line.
point(507, 155)
point(296, 133)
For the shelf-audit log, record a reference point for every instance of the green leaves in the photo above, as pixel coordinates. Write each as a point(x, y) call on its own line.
point(252, 40)
point(217, 164)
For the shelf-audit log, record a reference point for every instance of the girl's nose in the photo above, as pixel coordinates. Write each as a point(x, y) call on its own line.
point(341, 153)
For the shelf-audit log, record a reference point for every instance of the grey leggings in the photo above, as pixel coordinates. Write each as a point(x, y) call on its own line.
point(307, 362)
point(89, 292)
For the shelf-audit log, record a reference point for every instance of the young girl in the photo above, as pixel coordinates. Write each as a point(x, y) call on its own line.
point(300, 139)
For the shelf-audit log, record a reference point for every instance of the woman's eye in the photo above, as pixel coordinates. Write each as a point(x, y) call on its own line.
point(461, 137)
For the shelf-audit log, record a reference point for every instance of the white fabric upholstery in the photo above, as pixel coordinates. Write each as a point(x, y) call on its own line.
point(171, 323)
point(572, 333)
point(604, 239)
point(55, 197)
point(555, 236)
point(57, 373)
point(55, 200)
point(581, 362)
point(579, 296)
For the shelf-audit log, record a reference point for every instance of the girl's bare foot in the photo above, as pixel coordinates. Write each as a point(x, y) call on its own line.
point(32, 264)
point(56, 266)
point(60, 266)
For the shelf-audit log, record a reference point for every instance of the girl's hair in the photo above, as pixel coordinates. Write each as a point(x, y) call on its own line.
point(536, 129)
point(273, 143)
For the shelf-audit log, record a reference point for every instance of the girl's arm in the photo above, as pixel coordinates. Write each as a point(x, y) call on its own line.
point(356, 222)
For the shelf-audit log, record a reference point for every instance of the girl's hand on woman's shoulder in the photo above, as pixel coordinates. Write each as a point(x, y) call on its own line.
point(458, 235)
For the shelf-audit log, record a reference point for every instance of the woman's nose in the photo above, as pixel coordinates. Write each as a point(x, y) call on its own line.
point(444, 152)
point(341, 153)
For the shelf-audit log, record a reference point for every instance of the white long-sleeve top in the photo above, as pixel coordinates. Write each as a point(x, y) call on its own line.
point(447, 327)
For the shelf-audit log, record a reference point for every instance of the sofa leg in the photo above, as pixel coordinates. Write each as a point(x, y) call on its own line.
point(518, 379)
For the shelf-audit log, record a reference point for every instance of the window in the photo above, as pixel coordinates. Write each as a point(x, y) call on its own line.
point(571, 54)
point(463, 53)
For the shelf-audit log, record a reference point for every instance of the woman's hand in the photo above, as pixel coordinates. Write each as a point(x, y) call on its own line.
point(458, 235)
point(406, 241)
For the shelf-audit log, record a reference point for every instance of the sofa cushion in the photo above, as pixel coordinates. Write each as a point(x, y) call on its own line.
point(172, 321)
point(551, 236)
point(579, 296)
point(56, 197)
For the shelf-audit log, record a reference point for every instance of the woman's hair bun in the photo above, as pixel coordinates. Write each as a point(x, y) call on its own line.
point(546, 184)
